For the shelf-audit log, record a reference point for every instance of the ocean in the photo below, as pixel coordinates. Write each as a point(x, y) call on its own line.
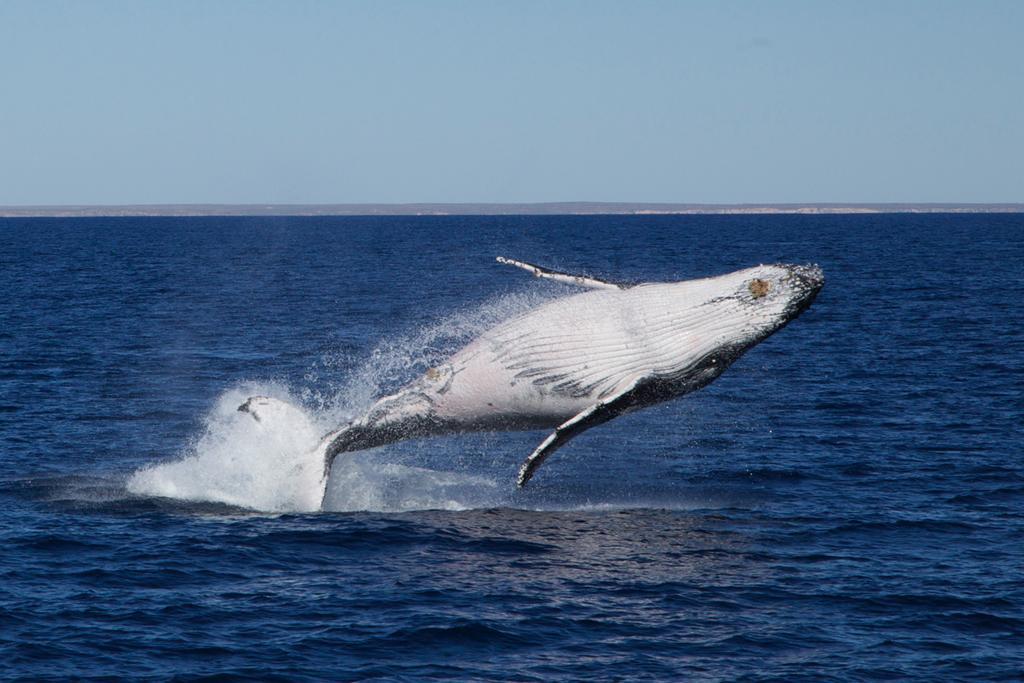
point(845, 503)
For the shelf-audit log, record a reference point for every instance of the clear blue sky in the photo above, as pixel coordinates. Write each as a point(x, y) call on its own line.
point(303, 102)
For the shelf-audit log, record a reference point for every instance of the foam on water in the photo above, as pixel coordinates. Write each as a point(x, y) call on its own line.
point(361, 484)
point(271, 464)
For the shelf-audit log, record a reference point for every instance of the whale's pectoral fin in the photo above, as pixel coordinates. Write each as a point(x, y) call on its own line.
point(597, 414)
point(567, 278)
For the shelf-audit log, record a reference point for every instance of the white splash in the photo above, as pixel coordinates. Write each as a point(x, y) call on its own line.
point(268, 465)
point(271, 465)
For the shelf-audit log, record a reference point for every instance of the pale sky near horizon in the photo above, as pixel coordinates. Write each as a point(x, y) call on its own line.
point(336, 102)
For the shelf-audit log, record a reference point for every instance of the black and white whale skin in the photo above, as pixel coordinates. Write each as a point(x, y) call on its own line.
point(581, 360)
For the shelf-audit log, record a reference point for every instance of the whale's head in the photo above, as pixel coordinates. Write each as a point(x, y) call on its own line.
point(725, 315)
point(751, 304)
point(764, 298)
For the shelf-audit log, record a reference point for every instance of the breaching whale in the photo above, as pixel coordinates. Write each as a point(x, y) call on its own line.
point(578, 361)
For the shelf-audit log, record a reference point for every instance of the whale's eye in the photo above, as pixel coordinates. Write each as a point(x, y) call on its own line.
point(758, 288)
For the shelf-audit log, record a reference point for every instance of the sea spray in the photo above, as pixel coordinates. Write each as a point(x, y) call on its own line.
point(265, 465)
point(271, 465)
point(398, 359)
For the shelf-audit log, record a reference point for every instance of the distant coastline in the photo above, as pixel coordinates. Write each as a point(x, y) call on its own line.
point(532, 209)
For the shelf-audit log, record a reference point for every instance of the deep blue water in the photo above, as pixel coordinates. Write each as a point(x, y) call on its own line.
point(845, 503)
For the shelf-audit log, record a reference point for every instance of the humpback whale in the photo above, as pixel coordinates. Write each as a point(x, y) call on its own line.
point(580, 360)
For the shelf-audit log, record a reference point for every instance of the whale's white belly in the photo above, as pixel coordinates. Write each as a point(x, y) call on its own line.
point(539, 369)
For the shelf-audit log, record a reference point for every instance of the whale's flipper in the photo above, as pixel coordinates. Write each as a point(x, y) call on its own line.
point(597, 414)
point(567, 278)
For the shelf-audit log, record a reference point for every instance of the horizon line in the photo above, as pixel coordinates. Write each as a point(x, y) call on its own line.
point(496, 209)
